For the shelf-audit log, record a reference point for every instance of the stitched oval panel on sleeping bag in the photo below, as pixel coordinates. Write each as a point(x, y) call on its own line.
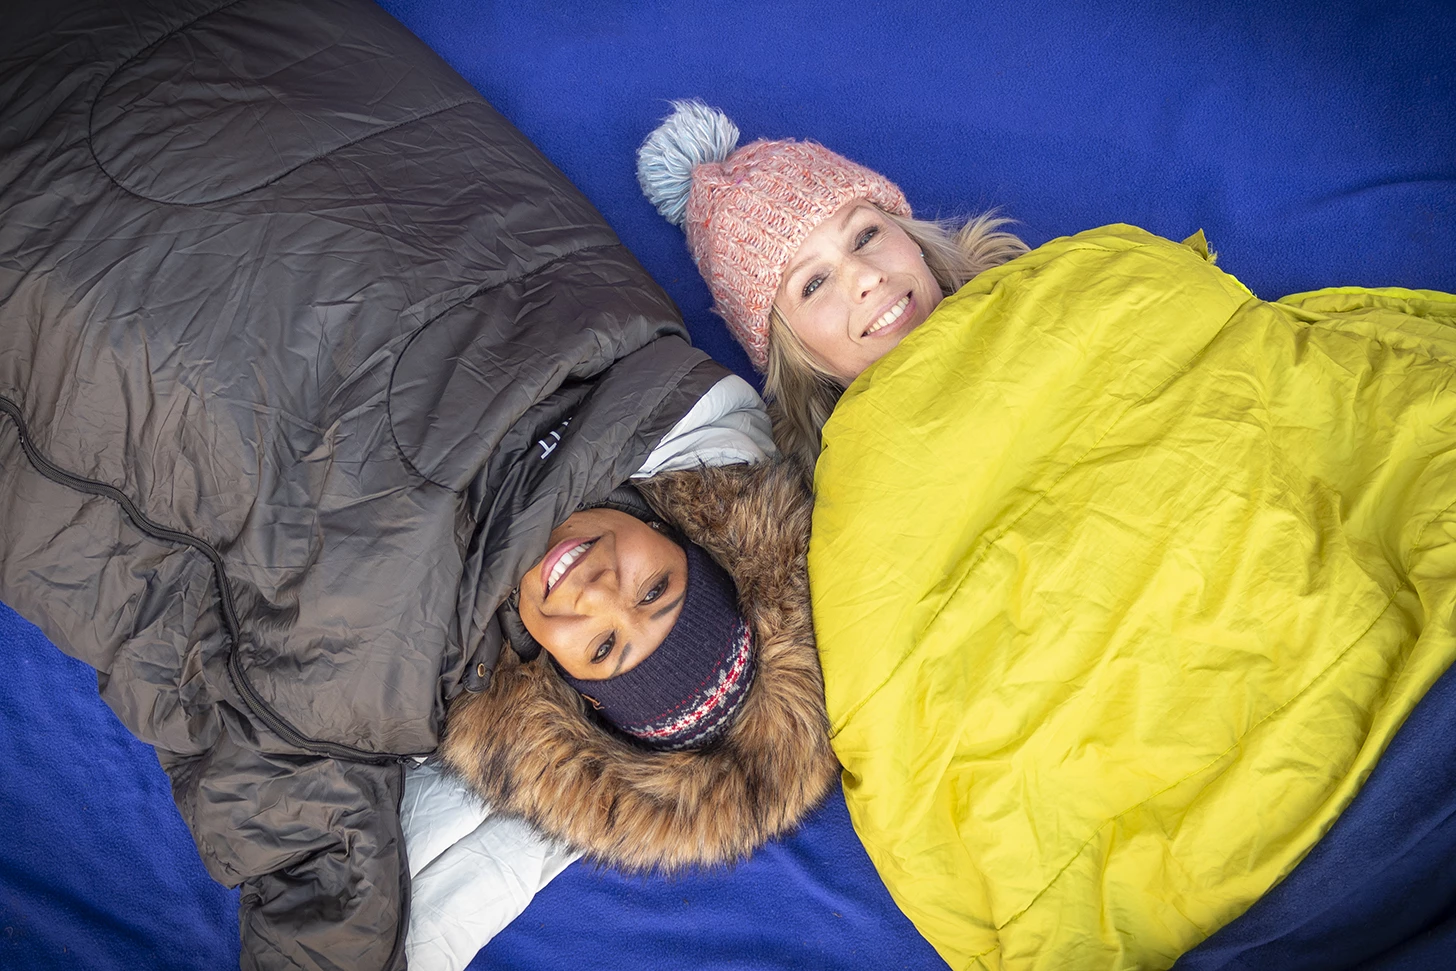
point(228, 103)
point(469, 375)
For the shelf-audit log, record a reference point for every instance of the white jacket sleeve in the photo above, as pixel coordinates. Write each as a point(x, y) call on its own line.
point(472, 871)
point(727, 425)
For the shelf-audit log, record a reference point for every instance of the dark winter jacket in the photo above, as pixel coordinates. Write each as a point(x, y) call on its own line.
point(303, 352)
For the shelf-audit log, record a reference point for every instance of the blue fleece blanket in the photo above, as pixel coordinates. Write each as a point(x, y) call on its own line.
point(1314, 143)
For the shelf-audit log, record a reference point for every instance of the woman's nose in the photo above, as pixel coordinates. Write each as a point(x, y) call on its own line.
point(602, 599)
point(866, 277)
point(599, 587)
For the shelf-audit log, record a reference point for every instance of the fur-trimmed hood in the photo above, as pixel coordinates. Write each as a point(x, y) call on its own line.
point(528, 746)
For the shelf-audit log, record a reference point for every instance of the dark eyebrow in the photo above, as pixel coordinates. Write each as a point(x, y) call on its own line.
point(626, 648)
point(668, 609)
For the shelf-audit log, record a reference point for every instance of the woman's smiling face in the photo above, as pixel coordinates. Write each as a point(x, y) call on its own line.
point(857, 285)
point(605, 595)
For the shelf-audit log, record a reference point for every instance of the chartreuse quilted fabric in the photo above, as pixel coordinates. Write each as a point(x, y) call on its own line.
point(1123, 579)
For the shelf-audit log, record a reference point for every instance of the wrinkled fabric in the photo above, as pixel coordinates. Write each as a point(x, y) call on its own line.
point(303, 352)
point(1123, 579)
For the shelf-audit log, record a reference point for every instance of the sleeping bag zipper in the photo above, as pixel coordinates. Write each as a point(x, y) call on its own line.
point(226, 607)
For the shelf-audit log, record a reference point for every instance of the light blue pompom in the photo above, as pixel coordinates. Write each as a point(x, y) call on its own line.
point(691, 135)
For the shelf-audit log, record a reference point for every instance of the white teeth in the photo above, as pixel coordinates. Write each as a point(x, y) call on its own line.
point(564, 564)
point(891, 315)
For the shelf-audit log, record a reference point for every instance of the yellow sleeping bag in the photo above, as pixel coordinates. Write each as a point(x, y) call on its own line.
point(1123, 579)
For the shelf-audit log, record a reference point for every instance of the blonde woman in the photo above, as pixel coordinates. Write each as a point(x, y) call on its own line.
point(1101, 680)
point(816, 263)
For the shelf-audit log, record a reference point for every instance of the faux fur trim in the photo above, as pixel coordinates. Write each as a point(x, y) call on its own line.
point(528, 747)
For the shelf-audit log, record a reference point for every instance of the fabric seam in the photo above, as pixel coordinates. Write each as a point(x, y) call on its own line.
point(428, 112)
point(484, 288)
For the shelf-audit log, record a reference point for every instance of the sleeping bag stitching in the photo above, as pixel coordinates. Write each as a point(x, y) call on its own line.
point(226, 608)
point(154, 42)
point(91, 147)
point(101, 90)
point(1416, 544)
point(1330, 320)
point(404, 350)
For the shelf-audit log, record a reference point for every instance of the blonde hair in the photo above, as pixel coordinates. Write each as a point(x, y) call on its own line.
point(802, 394)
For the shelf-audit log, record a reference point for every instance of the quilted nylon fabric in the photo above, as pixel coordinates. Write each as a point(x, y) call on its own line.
point(1123, 579)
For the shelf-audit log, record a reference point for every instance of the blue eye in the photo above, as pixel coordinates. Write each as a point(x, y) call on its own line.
point(811, 286)
point(863, 239)
point(604, 649)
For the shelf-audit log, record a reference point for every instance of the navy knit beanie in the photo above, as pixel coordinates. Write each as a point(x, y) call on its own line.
point(686, 693)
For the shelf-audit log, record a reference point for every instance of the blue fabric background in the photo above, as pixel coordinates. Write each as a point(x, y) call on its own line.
point(1315, 144)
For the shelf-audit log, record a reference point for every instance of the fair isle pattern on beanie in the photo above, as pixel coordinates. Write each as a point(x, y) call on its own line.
point(704, 716)
point(748, 215)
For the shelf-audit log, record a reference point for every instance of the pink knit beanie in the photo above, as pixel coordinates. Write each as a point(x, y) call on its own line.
point(746, 212)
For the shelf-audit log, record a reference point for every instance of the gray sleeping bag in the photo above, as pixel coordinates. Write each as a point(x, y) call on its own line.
point(303, 352)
